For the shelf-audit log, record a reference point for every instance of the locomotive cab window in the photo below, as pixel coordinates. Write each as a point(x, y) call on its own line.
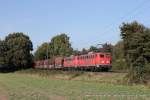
point(102, 55)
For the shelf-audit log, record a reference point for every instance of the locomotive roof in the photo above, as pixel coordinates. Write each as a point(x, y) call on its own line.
point(95, 53)
point(91, 53)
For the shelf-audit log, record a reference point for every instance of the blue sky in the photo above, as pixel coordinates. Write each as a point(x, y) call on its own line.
point(87, 22)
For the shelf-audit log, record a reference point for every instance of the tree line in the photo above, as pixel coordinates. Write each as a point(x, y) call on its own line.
point(131, 53)
point(60, 45)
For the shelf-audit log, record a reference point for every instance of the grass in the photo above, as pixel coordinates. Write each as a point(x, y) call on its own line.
point(68, 85)
point(101, 77)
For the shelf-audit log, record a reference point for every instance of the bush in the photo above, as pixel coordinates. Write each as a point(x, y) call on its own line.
point(119, 64)
point(139, 71)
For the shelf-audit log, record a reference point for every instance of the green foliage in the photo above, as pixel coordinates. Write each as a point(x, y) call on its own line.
point(105, 48)
point(16, 50)
point(3, 51)
point(118, 50)
point(94, 49)
point(76, 52)
point(119, 64)
point(140, 72)
point(83, 51)
point(61, 45)
point(118, 58)
point(136, 38)
point(43, 52)
point(131, 35)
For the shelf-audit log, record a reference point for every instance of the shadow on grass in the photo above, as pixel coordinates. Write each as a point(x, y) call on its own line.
point(11, 70)
point(7, 70)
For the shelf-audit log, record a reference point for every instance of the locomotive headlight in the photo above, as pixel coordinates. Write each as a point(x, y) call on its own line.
point(102, 61)
point(107, 61)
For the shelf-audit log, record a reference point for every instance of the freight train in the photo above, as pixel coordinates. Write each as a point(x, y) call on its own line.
point(91, 61)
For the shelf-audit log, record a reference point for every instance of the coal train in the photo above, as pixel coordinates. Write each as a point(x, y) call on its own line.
point(91, 61)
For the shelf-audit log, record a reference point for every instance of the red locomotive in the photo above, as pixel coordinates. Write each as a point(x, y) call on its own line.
point(91, 61)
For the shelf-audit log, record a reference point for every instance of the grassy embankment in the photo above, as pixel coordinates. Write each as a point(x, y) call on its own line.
point(60, 85)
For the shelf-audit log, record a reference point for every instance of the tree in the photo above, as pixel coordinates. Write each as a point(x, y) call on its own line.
point(61, 45)
point(19, 50)
point(129, 34)
point(58, 46)
point(3, 51)
point(76, 52)
point(118, 50)
point(136, 39)
point(118, 58)
point(43, 52)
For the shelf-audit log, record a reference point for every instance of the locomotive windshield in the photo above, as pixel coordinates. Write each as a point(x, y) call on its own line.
point(101, 55)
